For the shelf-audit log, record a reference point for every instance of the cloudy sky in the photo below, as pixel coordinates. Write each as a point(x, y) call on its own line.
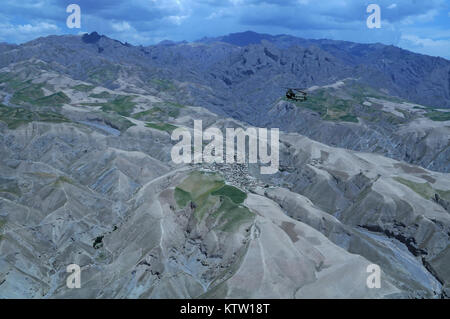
point(418, 25)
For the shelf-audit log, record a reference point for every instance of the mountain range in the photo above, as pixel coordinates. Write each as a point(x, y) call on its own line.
point(245, 76)
point(86, 175)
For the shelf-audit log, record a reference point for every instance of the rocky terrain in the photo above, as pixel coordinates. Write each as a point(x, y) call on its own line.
point(348, 115)
point(86, 175)
point(391, 98)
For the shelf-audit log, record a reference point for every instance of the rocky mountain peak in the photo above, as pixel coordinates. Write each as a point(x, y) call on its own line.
point(92, 37)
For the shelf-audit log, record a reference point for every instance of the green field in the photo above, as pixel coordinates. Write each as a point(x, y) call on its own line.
point(235, 194)
point(329, 107)
point(28, 94)
point(166, 127)
point(15, 117)
point(424, 189)
point(148, 115)
point(34, 95)
point(438, 116)
point(182, 197)
point(122, 104)
point(345, 104)
point(13, 82)
point(83, 88)
point(161, 111)
point(56, 99)
point(102, 95)
point(213, 200)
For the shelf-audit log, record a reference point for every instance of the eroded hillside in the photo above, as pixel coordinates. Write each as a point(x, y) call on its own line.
point(86, 177)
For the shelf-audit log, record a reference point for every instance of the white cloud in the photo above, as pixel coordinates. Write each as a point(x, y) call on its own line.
point(25, 32)
point(425, 17)
point(426, 45)
point(177, 20)
point(121, 26)
point(221, 13)
point(36, 28)
point(146, 21)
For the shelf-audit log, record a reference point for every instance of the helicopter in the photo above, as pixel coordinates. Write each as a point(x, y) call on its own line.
point(296, 94)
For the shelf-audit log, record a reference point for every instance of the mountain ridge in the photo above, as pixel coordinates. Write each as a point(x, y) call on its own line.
point(248, 83)
point(86, 177)
point(406, 74)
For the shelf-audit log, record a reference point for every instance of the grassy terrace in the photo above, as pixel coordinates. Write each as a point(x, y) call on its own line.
point(148, 115)
point(34, 95)
point(166, 127)
point(160, 112)
point(330, 108)
point(56, 99)
point(361, 92)
point(12, 82)
point(120, 104)
point(15, 117)
point(433, 114)
point(83, 88)
point(233, 193)
point(424, 189)
point(102, 95)
point(346, 104)
point(213, 200)
point(29, 93)
point(438, 115)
